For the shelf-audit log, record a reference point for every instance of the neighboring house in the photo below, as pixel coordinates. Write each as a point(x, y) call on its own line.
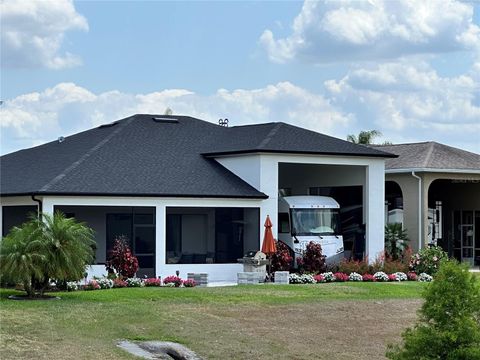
point(438, 187)
point(192, 196)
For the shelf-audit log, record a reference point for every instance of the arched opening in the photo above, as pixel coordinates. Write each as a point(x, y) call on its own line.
point(393, 203)
point(454, 218)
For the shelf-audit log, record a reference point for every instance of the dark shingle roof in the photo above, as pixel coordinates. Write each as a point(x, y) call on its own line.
point(279, 137)
point(430, 155)
point(137, 156)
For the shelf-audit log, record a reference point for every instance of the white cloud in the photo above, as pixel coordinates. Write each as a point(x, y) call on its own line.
point(351, 30)
point(408, 102)
point(68, 108)
point(32, 33)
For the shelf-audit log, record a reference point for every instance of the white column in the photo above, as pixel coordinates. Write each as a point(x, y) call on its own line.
point(374, 208)
point(269, 186)
point(160, 239)
point(48, 206)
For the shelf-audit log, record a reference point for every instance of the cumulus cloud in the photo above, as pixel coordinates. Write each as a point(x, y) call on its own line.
point(32, 33)
point(412, 102)
point(67, 108)
point(350, 30)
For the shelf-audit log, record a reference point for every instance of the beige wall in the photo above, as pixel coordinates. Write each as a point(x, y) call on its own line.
point(463, 196)
point(409, 186)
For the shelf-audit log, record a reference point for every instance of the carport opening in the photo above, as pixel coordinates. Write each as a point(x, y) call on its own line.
point(454, 218)
point(343, 183)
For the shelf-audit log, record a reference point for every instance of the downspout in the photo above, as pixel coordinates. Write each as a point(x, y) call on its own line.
point(420, 207)
point(39, 206)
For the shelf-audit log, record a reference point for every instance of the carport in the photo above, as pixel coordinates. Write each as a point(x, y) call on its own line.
point(344, 183)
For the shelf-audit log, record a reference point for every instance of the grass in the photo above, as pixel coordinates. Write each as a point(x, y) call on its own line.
point(337, 321)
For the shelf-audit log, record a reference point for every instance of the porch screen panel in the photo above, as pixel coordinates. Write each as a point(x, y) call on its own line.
point(15, 216)
point(210, 235)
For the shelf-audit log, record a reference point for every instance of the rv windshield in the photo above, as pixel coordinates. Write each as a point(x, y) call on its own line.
point(307, 222)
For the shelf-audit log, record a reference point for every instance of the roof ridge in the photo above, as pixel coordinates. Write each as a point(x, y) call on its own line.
point(270, 135)
point(86, 155)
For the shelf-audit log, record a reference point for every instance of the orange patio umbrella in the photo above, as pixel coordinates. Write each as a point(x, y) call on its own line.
point(268, 246)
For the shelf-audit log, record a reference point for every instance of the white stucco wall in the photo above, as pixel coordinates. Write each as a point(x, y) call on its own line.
point(373, 179)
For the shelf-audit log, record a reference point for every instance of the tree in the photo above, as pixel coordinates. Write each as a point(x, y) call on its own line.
point(364, 137)
point(46, 248)
point(449, 323)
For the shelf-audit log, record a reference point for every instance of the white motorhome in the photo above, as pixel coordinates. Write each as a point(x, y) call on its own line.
point(311, 218)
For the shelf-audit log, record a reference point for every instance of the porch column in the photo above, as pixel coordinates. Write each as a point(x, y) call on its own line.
point(160, 239)
point(269, 186)
point(375, 208)
point(47, 206)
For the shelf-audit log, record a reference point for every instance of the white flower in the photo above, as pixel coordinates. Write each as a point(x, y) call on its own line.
point(355, 277)
point(301, 279)
point(400, 276)
point(105, 283)
point(380, 276)
point(423, 277)
point(328, 276)
point(134, 282)
point(72, 286)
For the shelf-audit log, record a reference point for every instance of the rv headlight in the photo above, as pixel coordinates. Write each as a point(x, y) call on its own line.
point(339, 250)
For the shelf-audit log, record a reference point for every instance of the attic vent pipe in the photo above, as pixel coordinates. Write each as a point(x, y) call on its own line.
point(61, 139)
point(165, 120)
point(223, 122)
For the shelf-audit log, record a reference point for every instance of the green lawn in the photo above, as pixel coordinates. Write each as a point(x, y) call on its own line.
point(336, 321)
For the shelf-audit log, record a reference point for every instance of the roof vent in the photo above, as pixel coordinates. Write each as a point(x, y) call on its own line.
point(223, 122)
point(165, 120)
point(61, 139)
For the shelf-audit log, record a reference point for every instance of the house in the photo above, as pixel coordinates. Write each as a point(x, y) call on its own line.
point(437, 188)
point(191, 195)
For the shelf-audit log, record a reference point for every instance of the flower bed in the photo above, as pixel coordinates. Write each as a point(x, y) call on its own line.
point(379, 276)
point(106, 283)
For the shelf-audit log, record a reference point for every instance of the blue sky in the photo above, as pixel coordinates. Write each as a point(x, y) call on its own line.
point(410, 69)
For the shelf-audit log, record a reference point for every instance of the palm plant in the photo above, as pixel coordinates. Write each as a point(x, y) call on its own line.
point(22, 256)
point(364, 137)
point(49, 247)
point(396, 240)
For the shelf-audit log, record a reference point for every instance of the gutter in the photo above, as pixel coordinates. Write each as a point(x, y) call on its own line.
point(432, 170)
point(419, 209)
point(39, 206)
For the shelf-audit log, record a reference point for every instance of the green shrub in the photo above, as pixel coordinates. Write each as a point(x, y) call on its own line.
point(353, 266)
point(449, 320)
point(428, 260)
point(392, 266)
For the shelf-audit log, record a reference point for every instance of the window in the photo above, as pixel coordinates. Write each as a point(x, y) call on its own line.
point(308, 222)
point(283, 223)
